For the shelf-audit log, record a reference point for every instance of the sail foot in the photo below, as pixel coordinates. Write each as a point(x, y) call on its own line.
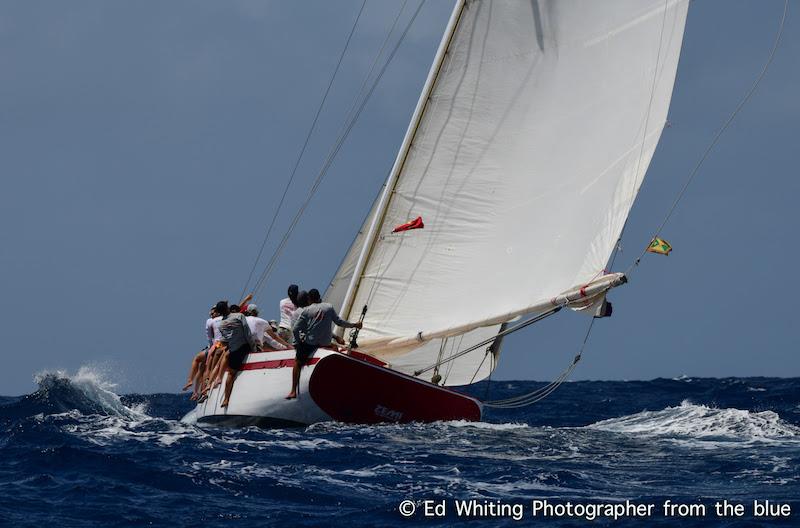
point(575, 296)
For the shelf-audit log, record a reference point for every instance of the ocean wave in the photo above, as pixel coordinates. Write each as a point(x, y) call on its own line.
point(487, 425)
point(705, 423)
point(86, 392)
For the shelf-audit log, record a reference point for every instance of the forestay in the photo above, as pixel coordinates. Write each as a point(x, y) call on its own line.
point(524, 165)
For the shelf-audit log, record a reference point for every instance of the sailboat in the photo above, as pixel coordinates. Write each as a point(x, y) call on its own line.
point(522, 160)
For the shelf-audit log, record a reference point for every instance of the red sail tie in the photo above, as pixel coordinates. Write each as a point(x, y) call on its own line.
point(414, 224)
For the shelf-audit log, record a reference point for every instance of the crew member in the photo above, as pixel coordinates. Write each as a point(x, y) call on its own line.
point(238, 343)
point(287, 307)
point(261, 331)
point(302, 302)
point(313, 329)
point(198, 366)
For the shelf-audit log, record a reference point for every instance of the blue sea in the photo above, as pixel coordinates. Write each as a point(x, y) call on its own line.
point(74, 453)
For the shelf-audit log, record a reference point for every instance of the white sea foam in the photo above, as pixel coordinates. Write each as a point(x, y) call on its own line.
point(88, 390)
point(486, 425)
point(94, 412)
point(703, 422)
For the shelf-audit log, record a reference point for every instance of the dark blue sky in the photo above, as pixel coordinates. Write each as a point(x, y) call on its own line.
point(144, 145)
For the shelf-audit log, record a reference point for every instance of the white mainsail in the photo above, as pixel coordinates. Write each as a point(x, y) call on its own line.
point(529, 149)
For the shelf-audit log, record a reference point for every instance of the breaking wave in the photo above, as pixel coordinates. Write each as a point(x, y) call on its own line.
point(705, 423)
point(85, 392)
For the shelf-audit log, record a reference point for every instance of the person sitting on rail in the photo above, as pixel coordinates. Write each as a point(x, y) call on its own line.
point(287, 306)
point(263, 335)
point(214, 354)
point(313, 329)
point(219, 367)
point(199, 362)
point(238, 343)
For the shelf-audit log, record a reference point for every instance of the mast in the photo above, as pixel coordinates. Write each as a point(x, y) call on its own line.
point(391, 181)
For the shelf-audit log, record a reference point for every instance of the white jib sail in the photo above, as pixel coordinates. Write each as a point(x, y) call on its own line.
point(524, 165)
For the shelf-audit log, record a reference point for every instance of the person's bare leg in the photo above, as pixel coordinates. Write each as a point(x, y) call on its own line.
point(295, 381)
point(213, 352)
point(193, 369)
point(228, 387)
point(197, 381)
point(204, 375)
point(212, 373)
point(221, 368)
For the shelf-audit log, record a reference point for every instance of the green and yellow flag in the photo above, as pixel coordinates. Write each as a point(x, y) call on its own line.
point(660, 246)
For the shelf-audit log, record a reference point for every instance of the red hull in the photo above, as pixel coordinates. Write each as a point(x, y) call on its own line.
point(350, 390)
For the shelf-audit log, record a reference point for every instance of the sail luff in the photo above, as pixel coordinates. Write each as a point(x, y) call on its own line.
point(397, 168)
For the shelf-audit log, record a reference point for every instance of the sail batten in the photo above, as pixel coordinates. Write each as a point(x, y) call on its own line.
point(524, 165)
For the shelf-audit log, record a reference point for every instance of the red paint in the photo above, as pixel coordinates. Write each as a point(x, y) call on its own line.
point(274, 364)
point(366, 357)
point(354, 391)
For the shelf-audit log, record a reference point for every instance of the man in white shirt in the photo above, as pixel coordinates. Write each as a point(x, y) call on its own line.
point(199, 362)
point(287, 307)
point(212, 329)
point(262, 333)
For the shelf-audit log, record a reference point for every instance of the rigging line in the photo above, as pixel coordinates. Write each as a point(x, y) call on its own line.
point(531, 398)
point(489, 379)
point(644, 138)
point(486, 353)
point(451, 363)
point(360, 91)
point(649, 106)
point(543, 392)
point(717, 136)
point(334, 151)
point(303, 149)
point(545, 389)
point(439, 357)
point(536, 395)
point(520, 326)
point(350, 112)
